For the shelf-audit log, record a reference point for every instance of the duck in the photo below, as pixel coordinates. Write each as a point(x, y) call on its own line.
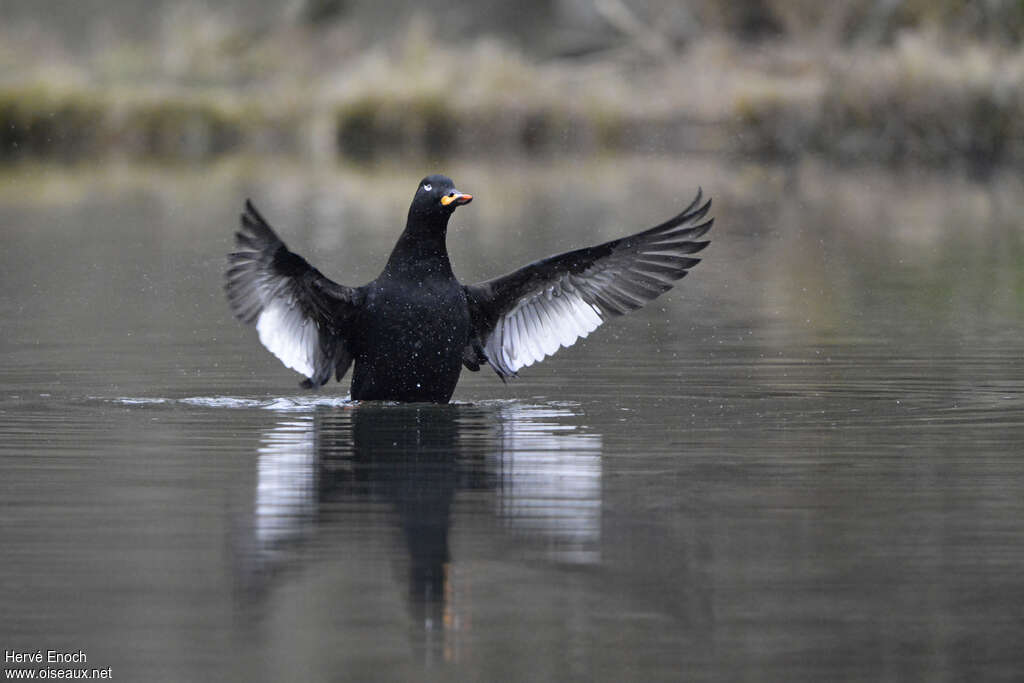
point(411, 330)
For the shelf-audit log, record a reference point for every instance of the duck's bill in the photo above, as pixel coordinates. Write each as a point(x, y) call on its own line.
point(456, 198)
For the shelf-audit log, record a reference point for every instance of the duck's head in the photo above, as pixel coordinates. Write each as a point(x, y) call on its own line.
point(436, 194)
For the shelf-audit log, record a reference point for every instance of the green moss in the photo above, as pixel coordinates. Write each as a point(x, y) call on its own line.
point(36, 122)
point(182, 130)
point(357, 128)
point(609, 128)
point(370, 126)
point(43, 123)
point(931, 120)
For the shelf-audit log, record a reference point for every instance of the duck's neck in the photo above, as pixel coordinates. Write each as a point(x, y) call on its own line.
point(421, 251)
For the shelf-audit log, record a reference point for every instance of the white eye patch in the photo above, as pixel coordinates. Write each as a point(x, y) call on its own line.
point(428, 187)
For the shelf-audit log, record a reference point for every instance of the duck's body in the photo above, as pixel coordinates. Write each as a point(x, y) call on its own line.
point(412, 334)
point(412, 329)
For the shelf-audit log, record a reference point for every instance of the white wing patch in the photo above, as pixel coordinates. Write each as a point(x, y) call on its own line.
point(289, 335)
point(540, 325)
point(553, 302)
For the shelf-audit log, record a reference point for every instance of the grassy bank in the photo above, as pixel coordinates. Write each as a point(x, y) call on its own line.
point(916, 101)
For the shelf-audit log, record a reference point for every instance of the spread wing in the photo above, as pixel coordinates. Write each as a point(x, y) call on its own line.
point(527, 315)
point(300, 315)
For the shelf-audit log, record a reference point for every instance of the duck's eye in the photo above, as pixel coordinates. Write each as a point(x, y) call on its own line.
point(428, 187)
point(451, 194)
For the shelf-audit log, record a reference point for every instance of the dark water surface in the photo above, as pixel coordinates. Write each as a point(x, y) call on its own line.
point(804, 464)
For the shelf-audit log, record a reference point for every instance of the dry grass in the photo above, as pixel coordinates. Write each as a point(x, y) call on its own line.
point(918, 102)
point(209, 89)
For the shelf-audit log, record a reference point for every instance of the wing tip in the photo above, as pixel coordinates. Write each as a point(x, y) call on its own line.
point(693, 212)
point(251, 217)
point(696, 215)
point(505, 377)
point(695, 201)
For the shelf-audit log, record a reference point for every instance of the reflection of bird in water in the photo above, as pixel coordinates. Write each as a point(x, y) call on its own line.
point(413, 458)
point(318, 476)
point(412, 329)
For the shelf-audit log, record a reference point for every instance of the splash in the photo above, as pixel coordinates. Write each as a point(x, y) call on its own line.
point(281, 404)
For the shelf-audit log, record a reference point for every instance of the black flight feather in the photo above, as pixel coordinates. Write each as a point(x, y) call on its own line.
point(530, 313)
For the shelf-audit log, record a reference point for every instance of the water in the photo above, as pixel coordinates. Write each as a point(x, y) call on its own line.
point(803, 464)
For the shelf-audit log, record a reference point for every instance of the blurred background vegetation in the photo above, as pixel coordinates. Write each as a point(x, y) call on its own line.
point(924, 82)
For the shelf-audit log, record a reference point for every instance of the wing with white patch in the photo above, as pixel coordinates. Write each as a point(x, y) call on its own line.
point(527, 315)
point(300, 315)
